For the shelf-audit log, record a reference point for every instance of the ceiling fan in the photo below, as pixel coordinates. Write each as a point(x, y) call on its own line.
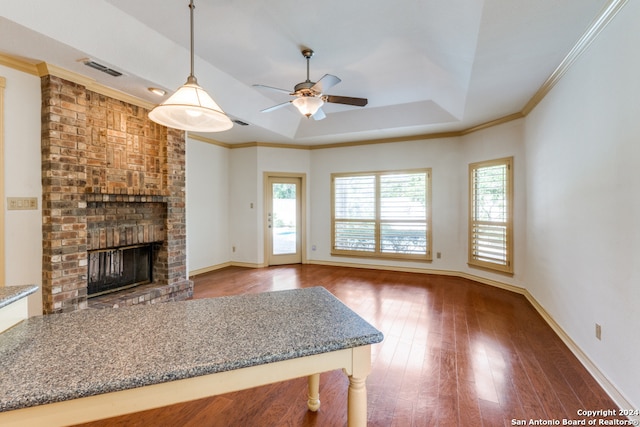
point(310, 95)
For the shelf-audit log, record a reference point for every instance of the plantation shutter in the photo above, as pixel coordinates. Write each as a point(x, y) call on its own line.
point(382, 214)
point(355, 213)
point(490, 222)
point(403, 213)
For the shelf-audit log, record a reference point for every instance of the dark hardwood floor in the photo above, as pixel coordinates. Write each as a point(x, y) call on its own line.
point(455, 353)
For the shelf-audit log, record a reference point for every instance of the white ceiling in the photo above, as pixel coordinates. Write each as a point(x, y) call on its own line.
point(425, 65)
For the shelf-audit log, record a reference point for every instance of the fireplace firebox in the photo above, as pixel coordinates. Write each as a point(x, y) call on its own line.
point(115, 269)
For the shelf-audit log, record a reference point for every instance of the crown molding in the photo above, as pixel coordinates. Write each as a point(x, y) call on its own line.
point(492, 123)
point(18, 64)
point(45, 69)
point(273, 145)
point(247, 144)
point(597, 25)
point(420, 137)
point(207, 140)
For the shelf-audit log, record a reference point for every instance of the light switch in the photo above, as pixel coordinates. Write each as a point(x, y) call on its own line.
point(22, 203)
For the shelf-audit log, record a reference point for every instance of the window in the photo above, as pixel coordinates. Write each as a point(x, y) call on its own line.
point(382, 214)
point(491, 214)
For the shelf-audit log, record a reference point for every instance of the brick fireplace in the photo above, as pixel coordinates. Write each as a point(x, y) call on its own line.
point(111, 178)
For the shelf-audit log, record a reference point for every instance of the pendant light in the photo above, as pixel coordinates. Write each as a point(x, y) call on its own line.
point(190, 107)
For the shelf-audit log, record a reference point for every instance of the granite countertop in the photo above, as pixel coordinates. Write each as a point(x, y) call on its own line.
point(66, 356)
point(9, 294)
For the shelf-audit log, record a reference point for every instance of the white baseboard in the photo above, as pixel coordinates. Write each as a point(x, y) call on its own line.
point(208, 269)
point(193, 273)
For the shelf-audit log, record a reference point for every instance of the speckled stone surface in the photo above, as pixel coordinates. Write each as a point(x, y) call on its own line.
point(71, 355)
point(9, 294)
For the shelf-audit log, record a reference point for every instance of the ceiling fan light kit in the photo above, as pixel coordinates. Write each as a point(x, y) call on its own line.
point(308, 105)
point(190, 107)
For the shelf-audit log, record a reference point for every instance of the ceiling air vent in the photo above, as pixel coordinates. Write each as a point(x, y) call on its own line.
point(240, 122)
point(100, 67)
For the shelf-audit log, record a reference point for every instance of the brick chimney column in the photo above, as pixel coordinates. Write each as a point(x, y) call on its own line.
point(64, 178)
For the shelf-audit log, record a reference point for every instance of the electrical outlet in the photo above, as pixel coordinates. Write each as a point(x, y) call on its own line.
point(438, 255)
point(233, 248)
point(598, 331)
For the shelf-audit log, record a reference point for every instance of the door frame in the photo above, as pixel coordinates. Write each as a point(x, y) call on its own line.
point(3, 278)
point(303, 212)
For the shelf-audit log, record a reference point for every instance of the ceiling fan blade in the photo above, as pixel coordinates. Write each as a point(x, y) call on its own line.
point(288, 92)
point(348, 100)
point(325, 83)
point(319, 115)
point(275, 107)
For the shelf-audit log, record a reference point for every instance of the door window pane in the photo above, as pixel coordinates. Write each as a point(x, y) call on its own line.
point(284, 219)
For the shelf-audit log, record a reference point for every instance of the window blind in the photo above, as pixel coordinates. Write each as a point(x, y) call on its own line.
point(382, 214)
point(490, 222)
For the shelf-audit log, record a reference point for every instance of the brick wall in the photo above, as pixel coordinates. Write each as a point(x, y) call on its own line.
point(106, 170)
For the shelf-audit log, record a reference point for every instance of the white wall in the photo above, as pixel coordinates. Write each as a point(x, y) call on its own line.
point(22, 178)
point(226, 185)
point(442, 155)
point(207, 191)
point(583, 205)
point(244, 227)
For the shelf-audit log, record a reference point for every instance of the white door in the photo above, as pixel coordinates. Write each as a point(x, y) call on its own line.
point(283, 220)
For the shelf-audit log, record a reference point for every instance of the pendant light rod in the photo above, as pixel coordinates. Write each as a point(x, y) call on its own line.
point(191, 7)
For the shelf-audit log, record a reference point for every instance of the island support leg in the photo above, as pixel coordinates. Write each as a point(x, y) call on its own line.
point(357, 406)
point(357, 394)
point(314, 392)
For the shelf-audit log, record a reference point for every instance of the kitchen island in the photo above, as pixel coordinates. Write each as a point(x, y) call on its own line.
point(91, 364)
point(13, 304)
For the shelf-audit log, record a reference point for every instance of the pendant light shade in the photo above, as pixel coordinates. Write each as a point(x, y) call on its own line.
point(190, 107)
point(308, 105)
